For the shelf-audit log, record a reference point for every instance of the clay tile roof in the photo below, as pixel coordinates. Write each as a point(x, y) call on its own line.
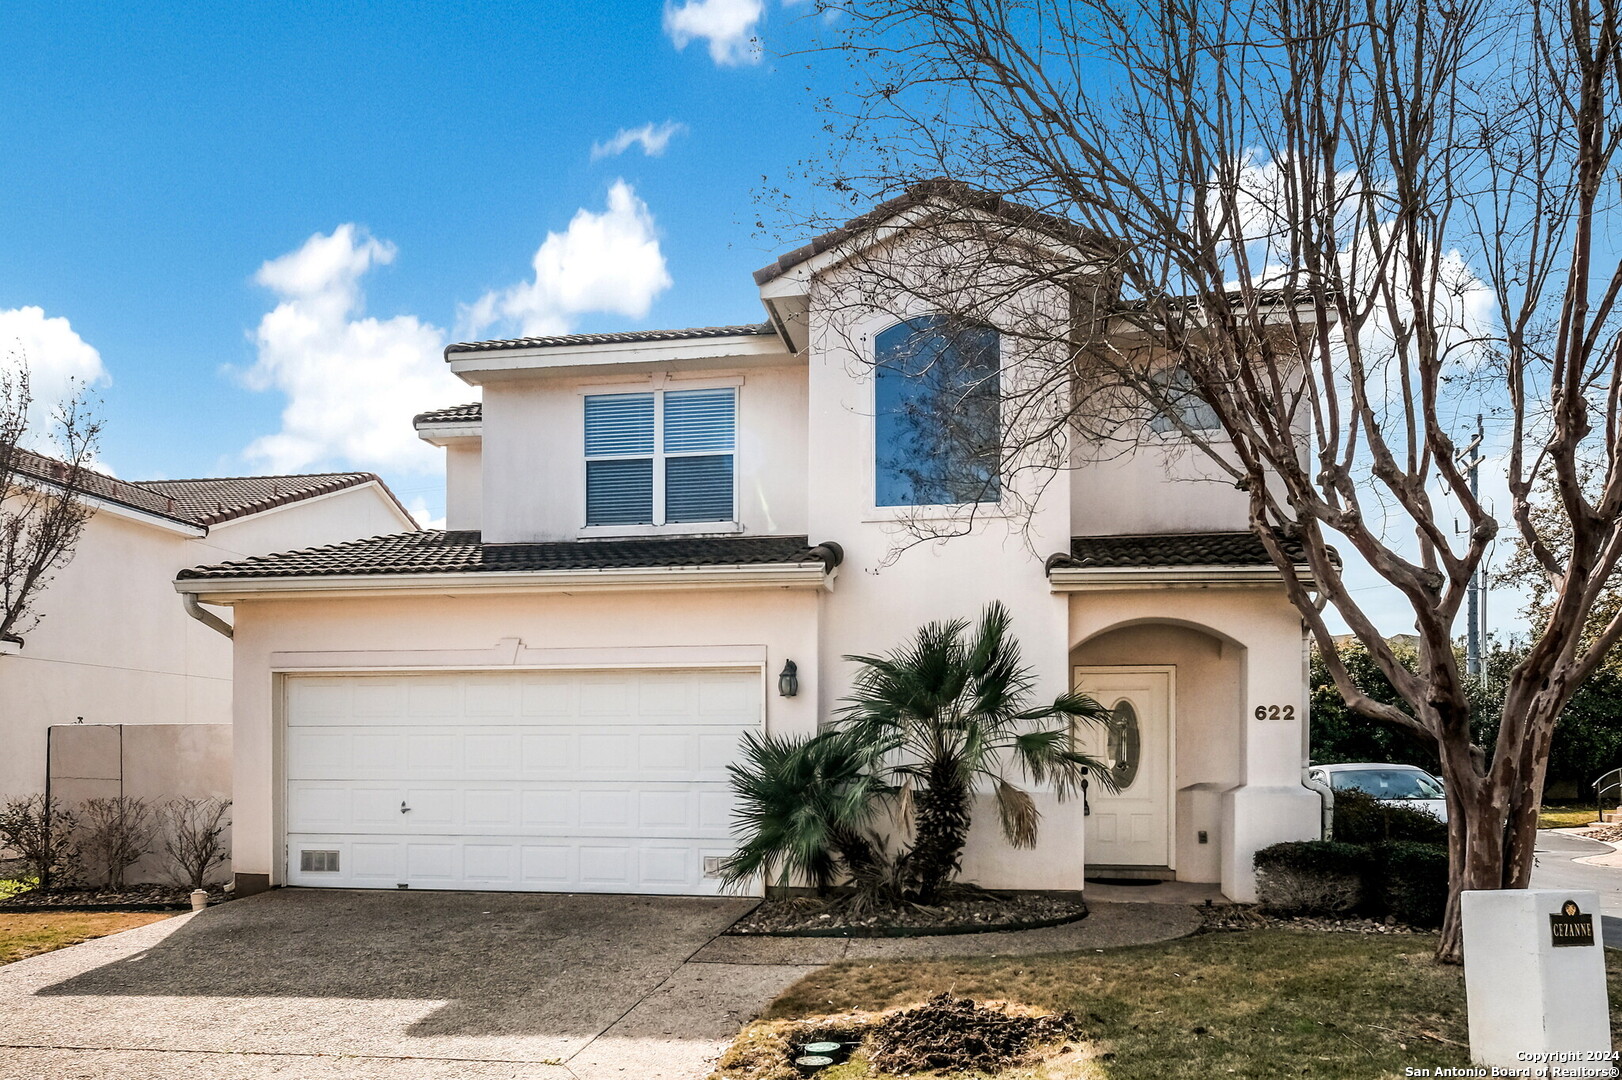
point(442, 552)
point(470, 413)
point(1171, 549)
point(956, 192)
point(212, 500)
point(205, 501)
point(625, 337)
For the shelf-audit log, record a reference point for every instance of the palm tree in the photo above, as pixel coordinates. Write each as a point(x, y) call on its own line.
point(948, 713)
point(803, 807)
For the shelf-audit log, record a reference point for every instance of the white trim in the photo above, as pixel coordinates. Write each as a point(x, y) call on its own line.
point(439, 434)
point(736, 350)
point(511, 653)
point(1069, 579)
point(746, 576)
point(674, 528)
point(144, 517)
point(373, 484)
point(1170, 671)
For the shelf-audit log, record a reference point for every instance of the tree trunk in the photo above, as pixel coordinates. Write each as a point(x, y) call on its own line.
point(942, 814)
point(1491, 836)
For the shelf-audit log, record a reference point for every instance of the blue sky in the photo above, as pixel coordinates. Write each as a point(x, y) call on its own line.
point(156, 158)
point(255, 226)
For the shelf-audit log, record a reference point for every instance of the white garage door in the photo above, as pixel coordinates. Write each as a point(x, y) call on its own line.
point(599, 781)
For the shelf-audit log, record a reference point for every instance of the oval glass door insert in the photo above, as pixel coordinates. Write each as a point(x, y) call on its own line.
point(1125, 744)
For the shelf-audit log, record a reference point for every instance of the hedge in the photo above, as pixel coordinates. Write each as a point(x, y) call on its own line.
point(1360, 818)
point(1403, 878)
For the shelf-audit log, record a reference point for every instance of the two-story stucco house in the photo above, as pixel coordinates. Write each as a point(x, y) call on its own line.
point(649, 531)
point(140, 693)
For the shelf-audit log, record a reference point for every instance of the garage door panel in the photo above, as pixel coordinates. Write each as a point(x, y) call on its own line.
point(591, 781)
point(435, 753)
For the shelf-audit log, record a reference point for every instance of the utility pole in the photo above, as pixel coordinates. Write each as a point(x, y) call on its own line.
point(1471, 459)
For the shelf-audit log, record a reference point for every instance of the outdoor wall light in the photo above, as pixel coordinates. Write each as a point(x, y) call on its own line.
point(788, 683)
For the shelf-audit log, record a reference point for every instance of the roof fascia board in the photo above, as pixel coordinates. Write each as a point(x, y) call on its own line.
point(392, 504)
point(440, 434)
point(130, 513)
point(753, 576)
point(566, 358)
point(1065, 579)
point(796, 281)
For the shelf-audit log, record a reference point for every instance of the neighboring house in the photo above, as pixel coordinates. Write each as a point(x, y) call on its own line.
point(113, 649)
point(648, 531)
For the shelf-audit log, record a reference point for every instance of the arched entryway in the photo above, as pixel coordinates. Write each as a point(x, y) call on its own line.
point(1175, 745)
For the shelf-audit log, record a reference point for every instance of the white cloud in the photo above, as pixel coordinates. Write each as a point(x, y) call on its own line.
point(653, 138)
point(60, 363)
point(608, 261)
point(423, 514)
point(729, 26)
point(352, 382)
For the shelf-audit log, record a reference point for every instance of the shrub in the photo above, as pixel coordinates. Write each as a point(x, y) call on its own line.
point(42, 835)
point(194, 838)
point(1413, 881)
point(114, 834)
point(1360, 818)
point(1311, 877)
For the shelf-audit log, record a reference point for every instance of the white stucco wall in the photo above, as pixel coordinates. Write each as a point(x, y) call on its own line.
point(116, 647)
point(533, 478)
point(890, 584)
point(464, 484)
point(1165, 486)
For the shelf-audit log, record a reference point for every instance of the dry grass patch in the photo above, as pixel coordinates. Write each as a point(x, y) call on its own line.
point(1260, 1003)
point(1565, 817)
point(32, 933)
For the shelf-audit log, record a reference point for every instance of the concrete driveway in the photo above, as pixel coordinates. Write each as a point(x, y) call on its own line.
point(325, 985)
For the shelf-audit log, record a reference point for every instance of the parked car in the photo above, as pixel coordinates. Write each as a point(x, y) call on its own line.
point(1406, 784)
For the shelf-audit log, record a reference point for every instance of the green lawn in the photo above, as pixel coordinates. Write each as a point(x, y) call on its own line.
point(1260, 1003)
point(33, 933)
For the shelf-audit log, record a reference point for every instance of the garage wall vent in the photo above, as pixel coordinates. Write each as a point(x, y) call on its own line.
point(713, 865)
point(318, 862)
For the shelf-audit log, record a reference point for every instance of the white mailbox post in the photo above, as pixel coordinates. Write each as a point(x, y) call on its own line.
point(1534, 973)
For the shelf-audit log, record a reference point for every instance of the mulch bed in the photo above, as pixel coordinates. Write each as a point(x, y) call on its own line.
point(132, 898)
point(964, 912)
point(953, 1033)
point(1228, 917)
point(944, 1035)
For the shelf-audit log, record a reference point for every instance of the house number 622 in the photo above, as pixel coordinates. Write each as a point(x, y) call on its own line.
point(1275, 712)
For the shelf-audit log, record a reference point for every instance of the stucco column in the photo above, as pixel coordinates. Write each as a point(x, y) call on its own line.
point(1269, 805)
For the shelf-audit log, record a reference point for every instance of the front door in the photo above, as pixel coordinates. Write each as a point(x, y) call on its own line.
point(1131, 826)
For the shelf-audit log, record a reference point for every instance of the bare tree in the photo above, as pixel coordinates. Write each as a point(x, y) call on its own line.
point(194, 837)
point(1342, 227)
point(42, 507)
point(114, 833)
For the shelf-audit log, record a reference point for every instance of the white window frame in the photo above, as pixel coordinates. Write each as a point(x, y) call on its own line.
point(660, 527)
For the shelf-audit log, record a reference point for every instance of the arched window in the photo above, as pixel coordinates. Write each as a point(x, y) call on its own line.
point(937, 432)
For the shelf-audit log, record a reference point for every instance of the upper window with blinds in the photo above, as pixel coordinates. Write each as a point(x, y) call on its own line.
point(661, 458)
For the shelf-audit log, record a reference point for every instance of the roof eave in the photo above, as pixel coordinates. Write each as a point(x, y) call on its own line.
point(1068, 579)
point(228, 590)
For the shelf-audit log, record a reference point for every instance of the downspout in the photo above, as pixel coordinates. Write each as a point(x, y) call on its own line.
point(194, 608)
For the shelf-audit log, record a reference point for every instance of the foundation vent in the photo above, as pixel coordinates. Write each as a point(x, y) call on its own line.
point(318, 862)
